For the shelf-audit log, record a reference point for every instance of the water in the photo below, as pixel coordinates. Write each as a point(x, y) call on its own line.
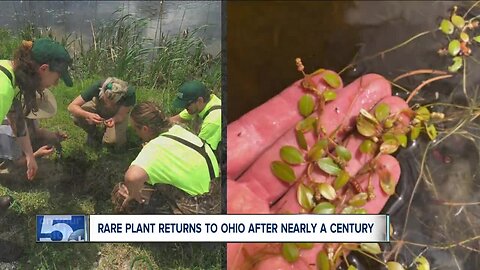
point(168, 17)
point(263, 40)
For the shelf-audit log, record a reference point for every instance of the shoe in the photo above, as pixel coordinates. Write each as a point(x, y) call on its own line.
point(9, 251)
point(5, 202)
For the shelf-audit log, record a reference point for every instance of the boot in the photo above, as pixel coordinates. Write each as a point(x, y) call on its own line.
point(5, 202)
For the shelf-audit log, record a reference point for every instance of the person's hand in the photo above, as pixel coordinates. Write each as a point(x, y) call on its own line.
point(32, 166)
point(44, 151)
point(254, 143)
point(94, 119)
point(109, 123)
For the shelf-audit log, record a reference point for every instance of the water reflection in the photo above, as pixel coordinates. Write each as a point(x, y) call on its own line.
point(167, 17)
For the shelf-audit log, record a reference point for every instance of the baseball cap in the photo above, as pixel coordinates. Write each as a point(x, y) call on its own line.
point(48, 51)
point(188, 93)
point(47, 106)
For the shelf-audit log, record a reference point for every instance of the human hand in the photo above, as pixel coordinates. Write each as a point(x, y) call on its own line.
point(94, 119)
point(109, 123)
point(32, 166)
point(254, 143)
point(44, 151)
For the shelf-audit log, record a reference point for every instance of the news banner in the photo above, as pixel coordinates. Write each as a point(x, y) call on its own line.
point(213, 228)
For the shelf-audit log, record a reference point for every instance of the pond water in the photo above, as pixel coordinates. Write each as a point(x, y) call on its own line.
point(168, 17)
point(263, 40)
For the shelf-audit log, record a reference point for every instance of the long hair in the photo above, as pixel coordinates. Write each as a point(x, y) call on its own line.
point(26, 77)
point(149, 114)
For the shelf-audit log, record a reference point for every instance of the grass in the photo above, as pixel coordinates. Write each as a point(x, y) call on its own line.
point(82, 179)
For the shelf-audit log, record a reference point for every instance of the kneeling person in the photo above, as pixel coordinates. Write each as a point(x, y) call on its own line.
point(173, 157)
point(106, 102)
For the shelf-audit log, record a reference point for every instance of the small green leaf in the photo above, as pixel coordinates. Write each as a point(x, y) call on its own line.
point(351, 267)
point(464, 37)
point(368, 147)
point(402, 139)
point(386, 182)
point(431, 131)
point(283, 171)
point(423, 114)
point(447, 27)
point(291, 155)
point(389, 146)
point(329, 166)
point(329, 95)
point(305, 196)
point(333, 79)
point(477, 39)
point(305, 245)
point(458, 21)
point(324, 208)
point(322, 261)
point(358, 200)
point(388, 122)
point(457, 64)
point(306, 104)
point(360, 211)
point(348, 210)
point(422, 263)
point(382, 111)
point(290, 252)
point(327, 191)
point(372, 248)
point(415, 132)
point(307, 124)
point(302, 142)
point(394, 266)
point(366, 127)
point(343, 153)
point(318, 150)
point(454, 47)
point(341, 180)
point(368, 116)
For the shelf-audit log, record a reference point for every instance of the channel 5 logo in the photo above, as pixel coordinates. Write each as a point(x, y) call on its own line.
point(61, 228)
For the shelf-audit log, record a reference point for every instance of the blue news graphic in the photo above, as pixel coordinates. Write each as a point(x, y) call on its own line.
point(61, 228)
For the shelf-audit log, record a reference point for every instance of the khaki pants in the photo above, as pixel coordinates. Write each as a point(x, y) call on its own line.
point(115, 135)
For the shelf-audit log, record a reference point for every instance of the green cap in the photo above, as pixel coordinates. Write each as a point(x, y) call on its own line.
point(188, 93)
point(48, 51)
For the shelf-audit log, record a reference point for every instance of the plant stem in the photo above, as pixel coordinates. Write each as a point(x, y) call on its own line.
point(414, 92)
point(419, 71)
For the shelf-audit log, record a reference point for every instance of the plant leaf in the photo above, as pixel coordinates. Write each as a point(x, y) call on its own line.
point(329, 166)
point(306, 104)
point(372, 248)
point(368, 147)
point(302, 142)
point(423, 114)
point(447, 27)
point(386, 182)
point(307, 124)
point(305, 196)
point(290, 252)
point(291, 155)
point(457, 64)
point(458, 21)
point(394, 266)
point(415, 132)
point(431, 131)
point(343, 153)
point(422, 263)
point(351, 267)
point(333, 79)
point(324, 208)
point(318, 150)
point(402, 139)
point(454, 47)
point(389, 146)
point(464, 37)
point(358, 200)
point(329, 95)
point(305, 245)
point(477, 39)
point(341, 180)
point(327, 191)
point(382, 111)
point(322, 261)
point(283, 171)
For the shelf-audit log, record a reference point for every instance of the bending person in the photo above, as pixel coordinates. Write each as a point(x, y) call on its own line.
point(36, 66)
point(174, 160)
point(106, 103)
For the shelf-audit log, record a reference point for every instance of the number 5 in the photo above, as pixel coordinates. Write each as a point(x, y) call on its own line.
point(48, 227)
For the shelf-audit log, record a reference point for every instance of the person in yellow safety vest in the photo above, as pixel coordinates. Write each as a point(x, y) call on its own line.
point(173, 159)
point(36, 66)
point(195, 99)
